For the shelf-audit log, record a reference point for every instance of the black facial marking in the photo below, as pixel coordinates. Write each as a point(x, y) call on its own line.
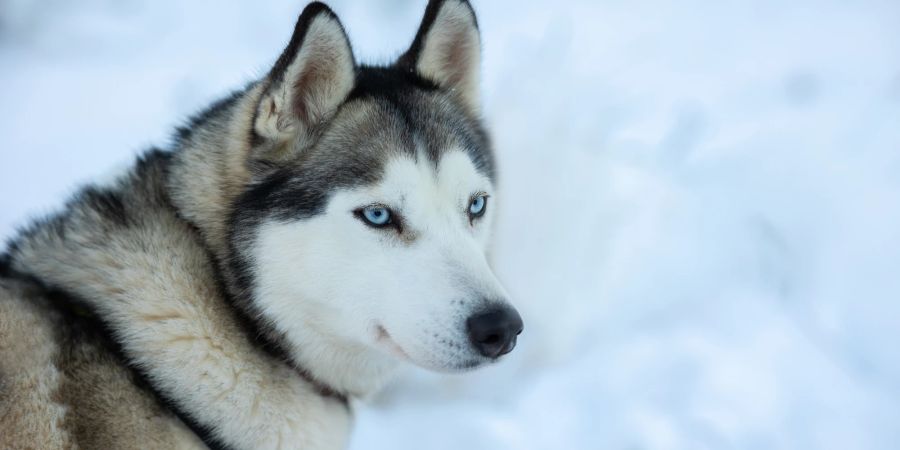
point(436, 119)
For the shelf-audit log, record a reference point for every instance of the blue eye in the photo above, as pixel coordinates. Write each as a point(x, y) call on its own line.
point(376, 216)
point(477, 205)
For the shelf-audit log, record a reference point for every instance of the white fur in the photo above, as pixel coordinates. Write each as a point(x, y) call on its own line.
point(354, 300)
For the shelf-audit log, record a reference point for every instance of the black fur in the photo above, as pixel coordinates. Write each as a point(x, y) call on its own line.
point(105, 202)
point(387, 82)
point(408, 94)
point(5, 266)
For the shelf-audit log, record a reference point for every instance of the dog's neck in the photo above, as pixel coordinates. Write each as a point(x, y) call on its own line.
point(210, 167)
point(349, 368)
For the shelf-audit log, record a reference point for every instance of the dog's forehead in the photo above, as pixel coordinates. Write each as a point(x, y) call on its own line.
point(382, 120)
point(389, 114)
point(414, 180)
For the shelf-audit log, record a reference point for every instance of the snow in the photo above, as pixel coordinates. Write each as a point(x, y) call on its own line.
point(700, 209)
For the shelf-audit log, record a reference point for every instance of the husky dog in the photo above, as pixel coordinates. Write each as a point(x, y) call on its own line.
point(303, 237)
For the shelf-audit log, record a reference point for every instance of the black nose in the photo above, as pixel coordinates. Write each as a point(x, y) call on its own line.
point(494, 332)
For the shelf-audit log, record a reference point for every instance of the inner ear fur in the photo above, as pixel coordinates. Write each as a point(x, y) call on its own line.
point(447, 50)
point(310, 80)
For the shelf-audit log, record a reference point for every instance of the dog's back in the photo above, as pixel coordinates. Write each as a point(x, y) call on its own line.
point(61, 385)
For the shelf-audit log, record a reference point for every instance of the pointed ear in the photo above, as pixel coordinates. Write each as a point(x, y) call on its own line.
point(447, 50)
point(310, 80)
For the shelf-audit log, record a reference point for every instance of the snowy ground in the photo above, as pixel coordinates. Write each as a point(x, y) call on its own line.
point(701, 209)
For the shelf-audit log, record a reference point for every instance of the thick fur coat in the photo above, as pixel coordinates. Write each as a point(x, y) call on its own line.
point(302, 238)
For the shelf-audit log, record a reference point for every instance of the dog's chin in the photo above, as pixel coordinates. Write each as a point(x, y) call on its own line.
point(455, 366)
point(466, 365)
point(387, 343)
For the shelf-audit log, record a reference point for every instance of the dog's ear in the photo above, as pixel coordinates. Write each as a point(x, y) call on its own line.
point(447, 50)
point(310, 79)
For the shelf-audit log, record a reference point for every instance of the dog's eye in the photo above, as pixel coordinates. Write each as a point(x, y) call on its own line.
point(477, 205)
point(376, 216)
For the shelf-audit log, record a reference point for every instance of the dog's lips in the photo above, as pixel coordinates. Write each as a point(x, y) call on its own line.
point(383, 337)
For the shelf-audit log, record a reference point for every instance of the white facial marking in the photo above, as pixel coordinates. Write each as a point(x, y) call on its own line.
point(335, 283)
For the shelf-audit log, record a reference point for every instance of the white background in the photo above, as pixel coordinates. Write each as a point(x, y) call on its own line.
point(700, 202)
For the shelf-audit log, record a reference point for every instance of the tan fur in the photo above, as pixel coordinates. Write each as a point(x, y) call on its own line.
point(31, 412)
point(58, 393)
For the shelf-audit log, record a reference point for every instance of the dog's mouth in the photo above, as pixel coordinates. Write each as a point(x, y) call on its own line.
point(384, 338)
point(386, 341)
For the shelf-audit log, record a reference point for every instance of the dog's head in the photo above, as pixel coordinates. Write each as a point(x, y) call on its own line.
point(366, 220)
